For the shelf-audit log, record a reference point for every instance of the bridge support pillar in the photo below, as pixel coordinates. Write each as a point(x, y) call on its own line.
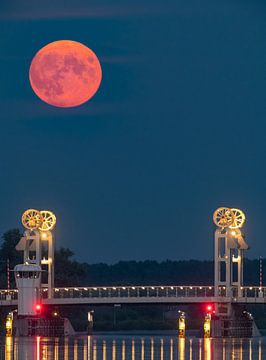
point(229, 246)
point(228, 263)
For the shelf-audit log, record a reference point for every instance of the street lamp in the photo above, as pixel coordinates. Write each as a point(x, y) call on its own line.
point(116, 306)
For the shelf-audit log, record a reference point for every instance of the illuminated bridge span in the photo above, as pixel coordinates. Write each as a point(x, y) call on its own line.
point(142, 295)
point(37, 245)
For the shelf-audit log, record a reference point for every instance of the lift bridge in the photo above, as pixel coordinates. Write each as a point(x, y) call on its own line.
point(37, 245)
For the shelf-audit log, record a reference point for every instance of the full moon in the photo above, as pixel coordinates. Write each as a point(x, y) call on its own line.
point(65, 73)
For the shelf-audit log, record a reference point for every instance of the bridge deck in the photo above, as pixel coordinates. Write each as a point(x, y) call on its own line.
point(141, 295)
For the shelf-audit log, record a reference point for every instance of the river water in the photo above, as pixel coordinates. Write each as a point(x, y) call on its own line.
point(131, 347)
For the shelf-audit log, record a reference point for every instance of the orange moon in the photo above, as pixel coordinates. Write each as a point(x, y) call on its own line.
point(65, 73)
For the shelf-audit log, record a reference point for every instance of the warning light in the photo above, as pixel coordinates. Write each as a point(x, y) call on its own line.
point(209, 308)
point(38, 308)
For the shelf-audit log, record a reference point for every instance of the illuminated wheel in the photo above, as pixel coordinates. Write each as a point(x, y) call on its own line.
point(48, 220)
point(238, 219)
point(31, 219)
point(223, 217)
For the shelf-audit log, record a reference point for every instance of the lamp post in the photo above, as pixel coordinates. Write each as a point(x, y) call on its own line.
point(90, 321)
point(182, 324)
point(115, 306)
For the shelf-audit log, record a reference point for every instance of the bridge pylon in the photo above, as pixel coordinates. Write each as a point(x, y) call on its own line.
point(38, 245)
point(229, 246)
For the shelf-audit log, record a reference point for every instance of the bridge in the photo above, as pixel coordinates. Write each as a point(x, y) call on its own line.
point(37, 245)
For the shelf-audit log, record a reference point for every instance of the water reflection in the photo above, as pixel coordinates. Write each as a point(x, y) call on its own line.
point(123, 350)
point(8, 348)
point(66, 349)
point(133, 349)
point(114, 347)
point(207, 349)
point(181, 348)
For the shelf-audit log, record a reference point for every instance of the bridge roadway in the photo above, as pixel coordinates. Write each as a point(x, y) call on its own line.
point(141, 295)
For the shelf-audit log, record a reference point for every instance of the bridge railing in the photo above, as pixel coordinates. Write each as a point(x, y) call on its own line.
point(252, 292)
point(246, 292)
point(8, 294)
point(132, 291)
point(155, 291)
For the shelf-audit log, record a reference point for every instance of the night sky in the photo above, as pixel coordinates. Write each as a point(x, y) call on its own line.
point(177, 128)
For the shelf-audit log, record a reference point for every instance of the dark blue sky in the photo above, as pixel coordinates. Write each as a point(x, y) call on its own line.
point(177, 129)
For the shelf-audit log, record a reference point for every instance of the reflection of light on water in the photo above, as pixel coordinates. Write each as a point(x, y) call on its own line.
point(259, 349)
point(137, 348)
point(142, 349)
point(250, 349)
point(44, 351)
point(75, 349)
point(38, 347)
point(113, 351)
point(152, 349)
point(161, 349)
point(133, 350)
point(190, 349)
point(171, 349)
point(104, 350)
point(85, 349)
point(8, 348)
point(207, 349)
point(66, 349)
point(237, 349)
point(181, 349)
point(200, 349)
point(16, 349)
point(241, 350)
point(123, 350)
point(56, 350)
point(89, 347)
point(94, 346)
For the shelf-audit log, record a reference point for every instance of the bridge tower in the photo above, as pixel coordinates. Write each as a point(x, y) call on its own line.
point(38, 245)
point(229, 246)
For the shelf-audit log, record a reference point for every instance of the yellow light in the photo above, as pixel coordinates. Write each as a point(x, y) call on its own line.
point(8, 324)
point(207, 326)
point(43, 235)
point(233, 233)
point(182, 325)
